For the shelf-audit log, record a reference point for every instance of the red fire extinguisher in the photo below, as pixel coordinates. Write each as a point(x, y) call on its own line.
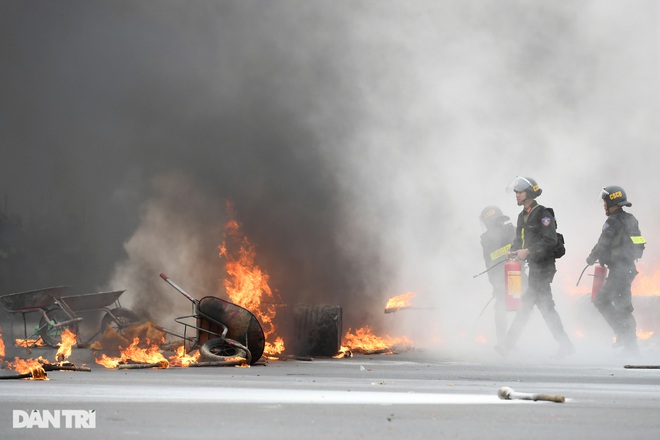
point(600, 275)
point(512, 285)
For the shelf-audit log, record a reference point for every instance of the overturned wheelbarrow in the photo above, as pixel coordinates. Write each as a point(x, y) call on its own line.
point(60, 313)
point(223, 329)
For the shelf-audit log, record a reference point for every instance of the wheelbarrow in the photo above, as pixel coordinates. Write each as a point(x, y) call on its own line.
point(223, 330)
point(59, 312)
point(47, 303)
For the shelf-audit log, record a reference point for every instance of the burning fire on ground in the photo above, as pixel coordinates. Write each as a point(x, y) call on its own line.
point(183, 359)
point(645, 287)
point(135, 354)
point(143, 348)
point(145, 352)
point(64, 350)
point(365, 342)
point(35, 369)
point(2, 345)
point(32, 368)
point(247, 285)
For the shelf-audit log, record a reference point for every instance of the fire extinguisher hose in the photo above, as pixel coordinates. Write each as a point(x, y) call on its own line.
point(581, 273)
point(491, 267)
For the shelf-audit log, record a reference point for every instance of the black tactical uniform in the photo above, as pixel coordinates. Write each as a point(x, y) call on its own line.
point(495, 243)
point(619, 245)
point(536, 231)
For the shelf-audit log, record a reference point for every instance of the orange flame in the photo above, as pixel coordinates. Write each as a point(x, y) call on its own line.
point(68, 340)
point(2, 345)
point(364, 341)
point(182, 359)
point(107, 361)
point(247, 285)
point(31, 366)
point(647, 282)
point(400, 301)
point(644, 335)
point(344, 352)
point(277, 347)
point(29, 343)
point(135, 354)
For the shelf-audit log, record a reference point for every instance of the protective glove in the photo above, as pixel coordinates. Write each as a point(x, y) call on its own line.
point(591, 260)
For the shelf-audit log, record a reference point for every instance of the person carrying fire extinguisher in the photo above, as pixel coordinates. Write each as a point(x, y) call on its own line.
point(620, 244)
point(495, 243)
point(537, 244)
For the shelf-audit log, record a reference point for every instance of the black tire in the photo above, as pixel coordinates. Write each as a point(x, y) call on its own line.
point(125, 318)
point(52, 335)
point(222, 349)
point(317, 330)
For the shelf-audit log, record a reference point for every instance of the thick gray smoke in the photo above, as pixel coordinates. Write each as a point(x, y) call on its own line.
point(357, 140)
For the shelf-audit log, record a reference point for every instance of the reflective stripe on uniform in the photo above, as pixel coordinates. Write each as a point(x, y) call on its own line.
point(638, 239)
point(500, 252)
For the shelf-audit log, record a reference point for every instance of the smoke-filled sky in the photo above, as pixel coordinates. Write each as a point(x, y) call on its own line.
point(358, 141)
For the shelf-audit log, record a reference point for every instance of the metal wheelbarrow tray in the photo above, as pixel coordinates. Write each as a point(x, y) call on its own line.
point(48, 303)
point(224, 329)
point(33, 300)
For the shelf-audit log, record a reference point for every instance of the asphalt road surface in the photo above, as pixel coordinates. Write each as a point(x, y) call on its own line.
point(409, 395)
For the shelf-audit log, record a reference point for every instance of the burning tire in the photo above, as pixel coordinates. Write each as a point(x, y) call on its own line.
point(52, 334)
point(122, 319)
point(222, 350)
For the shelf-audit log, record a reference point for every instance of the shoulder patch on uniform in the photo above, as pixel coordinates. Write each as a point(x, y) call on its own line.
point(546, 221)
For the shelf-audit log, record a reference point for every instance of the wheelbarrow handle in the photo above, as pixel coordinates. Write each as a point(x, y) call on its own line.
point(173, 284)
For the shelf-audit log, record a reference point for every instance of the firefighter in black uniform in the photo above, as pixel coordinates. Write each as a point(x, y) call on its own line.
point(495, 243)
point(535, 243)
point(619, 245)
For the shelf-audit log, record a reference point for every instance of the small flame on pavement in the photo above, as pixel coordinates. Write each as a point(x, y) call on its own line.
point(135, 354)
point(64, 351)
point(182, 359)
point(36, 367)
point(364, 341)
point(30, 366)
point(344, 352)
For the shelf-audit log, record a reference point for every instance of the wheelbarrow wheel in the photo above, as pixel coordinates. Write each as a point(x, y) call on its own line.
point(222, 349)
point(124, 318)
point(51, 334)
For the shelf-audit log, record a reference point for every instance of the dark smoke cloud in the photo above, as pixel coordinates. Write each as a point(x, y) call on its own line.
point(357, 140)
point(102, 99)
